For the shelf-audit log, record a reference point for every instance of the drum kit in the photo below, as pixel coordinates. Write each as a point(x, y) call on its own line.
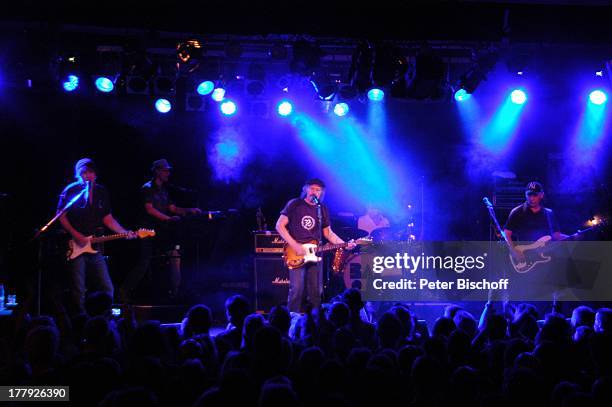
point(380, 235)
point(349, 263)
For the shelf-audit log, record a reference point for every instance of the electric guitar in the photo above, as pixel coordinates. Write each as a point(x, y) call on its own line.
point(75, 249)
point(294, 261)
point(536, 252)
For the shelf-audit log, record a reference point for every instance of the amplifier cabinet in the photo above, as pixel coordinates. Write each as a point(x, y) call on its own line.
point(271, 282)
point(268, 243)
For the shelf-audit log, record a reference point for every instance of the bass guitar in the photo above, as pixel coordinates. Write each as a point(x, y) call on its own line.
point(75, 249)
point(313, 252)
point(536, 252)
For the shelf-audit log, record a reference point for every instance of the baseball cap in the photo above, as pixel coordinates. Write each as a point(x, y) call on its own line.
point(82, 164)
point(534, 187)
point(315, 181)
point(161, 164)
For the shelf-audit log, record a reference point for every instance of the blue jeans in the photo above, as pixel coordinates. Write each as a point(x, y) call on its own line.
point(308, 279)
point(92, 268)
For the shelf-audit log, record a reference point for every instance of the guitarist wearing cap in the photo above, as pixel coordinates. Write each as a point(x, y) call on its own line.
point(90, 212)
point(531, 221)
point(298, 224)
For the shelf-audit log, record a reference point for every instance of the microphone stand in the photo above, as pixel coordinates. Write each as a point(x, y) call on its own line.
point(493, 217)
point(37, 236)
point(320, 233)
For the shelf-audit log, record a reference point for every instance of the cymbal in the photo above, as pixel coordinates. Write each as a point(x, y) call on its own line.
point(348, 233)
point(388, 234)
point(381, 234)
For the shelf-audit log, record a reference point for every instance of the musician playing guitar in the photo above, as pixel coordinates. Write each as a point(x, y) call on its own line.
point(160, 213)
point(298, 224)
point(87, 214)
point(530, 221)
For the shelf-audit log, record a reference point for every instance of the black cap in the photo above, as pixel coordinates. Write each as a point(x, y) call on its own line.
point(161, 164)
point(82, 164)
point(315, 181)
point(534, 187)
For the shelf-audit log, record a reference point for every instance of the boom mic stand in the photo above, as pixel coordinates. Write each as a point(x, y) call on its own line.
point(37, 237)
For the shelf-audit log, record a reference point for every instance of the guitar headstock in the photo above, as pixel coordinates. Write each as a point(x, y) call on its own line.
point(144, 233)
point(596, 222)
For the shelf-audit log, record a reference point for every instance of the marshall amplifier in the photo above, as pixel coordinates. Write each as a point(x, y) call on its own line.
point(268, 243)
point(271, 282)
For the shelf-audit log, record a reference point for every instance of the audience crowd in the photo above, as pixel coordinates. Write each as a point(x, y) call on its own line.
point(507, 356)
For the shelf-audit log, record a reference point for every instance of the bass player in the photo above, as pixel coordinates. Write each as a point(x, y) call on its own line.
point(531, 220)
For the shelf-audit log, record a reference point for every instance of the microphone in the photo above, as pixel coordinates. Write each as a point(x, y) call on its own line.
point(487, 202)
point(315, 200)
point(90, 186)
point(86, 190)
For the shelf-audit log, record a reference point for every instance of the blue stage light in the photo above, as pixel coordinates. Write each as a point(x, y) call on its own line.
point(598, 97)
point(228, 108)
point(71, 83)
point(518, 97)
point(285, 108)
point(163, 105)
point(204, 88)
point(104, 84)
point(218, 94)
point(376, 95)
point(341, 109)
point(462, 95)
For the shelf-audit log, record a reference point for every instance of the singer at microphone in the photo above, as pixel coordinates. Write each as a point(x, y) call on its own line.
point(83, 220)
point(305, 220)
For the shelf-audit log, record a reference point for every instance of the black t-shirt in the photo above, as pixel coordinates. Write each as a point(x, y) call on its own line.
point(303, 223)
point(85, 218)
point(158, 197)
point(527, 226)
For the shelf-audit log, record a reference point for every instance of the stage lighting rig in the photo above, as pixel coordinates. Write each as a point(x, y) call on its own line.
point(428, 78)
point(362, 63)
point(67, 71)
point(389, 71)
point(478, 72)
point(189, 50)
point(306, 57)
point(378, 66)
point(255, 76)
point(324, 86)
point(278, 51)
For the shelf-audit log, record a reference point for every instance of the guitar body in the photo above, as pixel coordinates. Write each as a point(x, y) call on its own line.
point(294, 261)
point(75, 250)
point(533, 255)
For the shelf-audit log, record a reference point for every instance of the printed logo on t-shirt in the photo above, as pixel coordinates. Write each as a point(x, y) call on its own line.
point(308, 222)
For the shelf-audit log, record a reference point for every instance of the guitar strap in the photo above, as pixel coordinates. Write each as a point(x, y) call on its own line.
point(550, 227)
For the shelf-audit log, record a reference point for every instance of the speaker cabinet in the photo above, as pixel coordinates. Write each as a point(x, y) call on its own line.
point(271, 282)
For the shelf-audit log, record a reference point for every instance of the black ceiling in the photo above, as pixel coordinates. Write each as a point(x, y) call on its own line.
point(437, 20)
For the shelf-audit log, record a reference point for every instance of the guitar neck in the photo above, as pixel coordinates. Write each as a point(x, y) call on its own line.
point(331, 246)
point(102, 239)
point(550, 246)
